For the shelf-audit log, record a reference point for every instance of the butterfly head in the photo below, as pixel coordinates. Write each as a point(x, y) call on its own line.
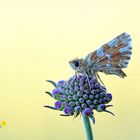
point(75, 64)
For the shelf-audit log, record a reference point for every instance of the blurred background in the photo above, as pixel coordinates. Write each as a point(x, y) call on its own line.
point(37, 39)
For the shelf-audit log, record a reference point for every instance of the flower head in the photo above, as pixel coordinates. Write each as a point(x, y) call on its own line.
point(80, 94)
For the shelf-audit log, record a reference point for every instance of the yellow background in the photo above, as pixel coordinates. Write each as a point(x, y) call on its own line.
point(37, 39)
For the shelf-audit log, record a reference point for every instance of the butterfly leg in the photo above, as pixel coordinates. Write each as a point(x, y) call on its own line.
point(98, 77)
point(74, 78)
point(87, 78)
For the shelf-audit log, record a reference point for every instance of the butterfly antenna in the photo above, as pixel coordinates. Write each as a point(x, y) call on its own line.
point(100, 79)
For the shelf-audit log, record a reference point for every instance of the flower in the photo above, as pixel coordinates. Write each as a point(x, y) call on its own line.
point(3, 123)
point(80, 94)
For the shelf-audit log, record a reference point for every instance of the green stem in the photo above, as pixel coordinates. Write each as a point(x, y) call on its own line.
point(87, 127)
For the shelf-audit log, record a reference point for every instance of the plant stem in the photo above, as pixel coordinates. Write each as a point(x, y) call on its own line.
point(87, 127)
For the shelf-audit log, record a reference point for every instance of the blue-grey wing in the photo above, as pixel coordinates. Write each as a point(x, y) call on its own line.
point(112, 56)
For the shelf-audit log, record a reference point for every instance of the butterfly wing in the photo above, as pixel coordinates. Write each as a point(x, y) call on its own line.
point(112, 56)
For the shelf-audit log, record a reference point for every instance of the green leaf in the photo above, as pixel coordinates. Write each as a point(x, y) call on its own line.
point(52, 82)
point(51, 107)
point(65, 115)
point(109, 112)
point(92, 118)
point(48, 93)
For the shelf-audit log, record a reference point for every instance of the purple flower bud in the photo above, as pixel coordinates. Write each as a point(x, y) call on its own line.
point(95, 102)
point(61, 97)
point(102, 94)
point(87, 112)
point(71, 86)
point(67, 92)
point(101, 101)
point(75, 83)
point(77, 103)
point(92, 107)
point(85, 96)
point(101, 107)
point(71, 104)
point(102, 88)
point(70, 97)
point(83, 105)
point(71, 91)
point(92, 81)
point(93, 92)
point(58, 105)
point(82, 88)
point(65, 85)
point(97, 91)
point(70, 80)
point(97, 96)
point(60, 83)
point(81, 83)
point(105, 100)
point(76, 88)
point(63, 90)
point(55, 91)
point(97, 85)
point(89, 102)
point(68, 110)
point(75, 97)
point(81, 100)
point(56, 94)
point(65, 103)
point(109, 97)
point(79, 93)
point(91, 96)
point(77, 109)
point(64, 97)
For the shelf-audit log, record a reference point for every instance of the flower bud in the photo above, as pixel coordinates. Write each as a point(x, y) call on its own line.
point(70, 97)
point(79, 93)
point(68, 111)
point(65, 103)
point(92, 106)
point(87, 112)
point(95, 102)
point(85, 96)
point(60, 83)
point(77, 109)
point(81, 100)
point(91, 96)
point(109, 97)
point(71, 104)
point(77, 103)
point(56, 94)
point(83, 105)
point(75, 97)
point(89, 102)
point(101, 107)
point(76, 88)
point(97, 96)
point(93, 92)
point(58, 105)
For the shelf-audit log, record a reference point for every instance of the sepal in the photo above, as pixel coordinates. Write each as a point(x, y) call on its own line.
point(52, 82)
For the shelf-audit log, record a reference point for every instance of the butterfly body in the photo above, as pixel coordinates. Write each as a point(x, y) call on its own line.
point(110, 58)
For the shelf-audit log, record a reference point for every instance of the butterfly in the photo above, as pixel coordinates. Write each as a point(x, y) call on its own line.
point(110, 58)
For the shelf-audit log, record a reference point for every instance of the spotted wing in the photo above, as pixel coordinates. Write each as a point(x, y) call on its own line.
point(112, 56)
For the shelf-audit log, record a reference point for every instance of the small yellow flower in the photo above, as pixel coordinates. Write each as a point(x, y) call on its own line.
point(3, 123)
